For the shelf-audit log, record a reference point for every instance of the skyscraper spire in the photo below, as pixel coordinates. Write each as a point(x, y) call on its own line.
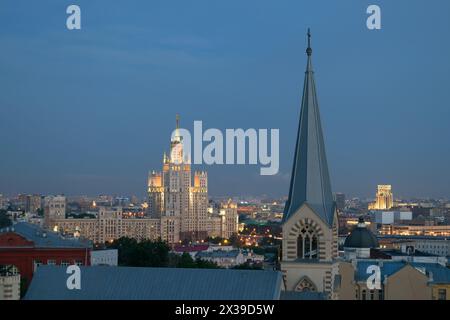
point(310, 181)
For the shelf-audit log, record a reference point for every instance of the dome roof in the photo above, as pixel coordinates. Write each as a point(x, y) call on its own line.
point(361, 237)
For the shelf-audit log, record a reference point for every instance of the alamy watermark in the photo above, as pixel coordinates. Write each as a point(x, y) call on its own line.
point(73, 282)
point(235, 146)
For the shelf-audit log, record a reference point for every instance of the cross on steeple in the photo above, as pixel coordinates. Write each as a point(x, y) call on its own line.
point(309, 50)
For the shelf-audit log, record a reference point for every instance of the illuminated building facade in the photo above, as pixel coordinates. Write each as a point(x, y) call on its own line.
point(225, 222)
point(384, 198)
point(54, 209)
point(180, 205)
point(109, 225)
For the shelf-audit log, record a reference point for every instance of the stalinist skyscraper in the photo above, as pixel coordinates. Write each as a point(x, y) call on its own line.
point(310, 218)
point(181, 206)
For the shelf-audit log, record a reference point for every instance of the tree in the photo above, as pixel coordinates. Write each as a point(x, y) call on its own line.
point(248, 266)
point(146, 253)
point(235, 240)
point(4, 220)
point(186, 261)
point(205, 264)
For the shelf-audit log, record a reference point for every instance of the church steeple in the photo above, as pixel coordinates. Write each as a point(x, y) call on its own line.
point(310, 181)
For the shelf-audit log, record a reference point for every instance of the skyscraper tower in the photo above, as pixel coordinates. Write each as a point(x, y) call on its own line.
point(181, 207)
point(384, 198)
point(310, 218)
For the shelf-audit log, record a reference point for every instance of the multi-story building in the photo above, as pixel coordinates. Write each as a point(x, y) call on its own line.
point(30, 202)
point(412, 230)
point(437, 247)
point(402, 275)
point(26, 246)
point(340, 201)
point(223, 221)
point(110, 224)
point(228, 212)
point(384, 198)
point(181, 205)
point(9, 285)
point(2, 201)
point(105, 257)
point(54, 209)
point(223, 258)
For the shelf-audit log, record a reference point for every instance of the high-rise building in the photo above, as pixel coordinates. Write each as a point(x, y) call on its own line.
point(384, 198)
point(54, 209)
point(181, 205)
point(340, 201)
point(2, 201)
point(29, 202)
point(310, 224)
point(33, 203)
point(228, 211)
point(223, 221)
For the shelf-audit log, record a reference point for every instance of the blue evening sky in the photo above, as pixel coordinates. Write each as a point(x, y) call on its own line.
point(91, 111)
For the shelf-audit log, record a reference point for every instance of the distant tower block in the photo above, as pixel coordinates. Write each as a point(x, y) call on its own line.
point(180, 204)
point(384, 198)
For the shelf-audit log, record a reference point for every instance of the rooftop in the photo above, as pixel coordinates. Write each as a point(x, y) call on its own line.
point(218, 254)
point(128, 283)
point(439, 274)
point(43, 238)
point(192, 248)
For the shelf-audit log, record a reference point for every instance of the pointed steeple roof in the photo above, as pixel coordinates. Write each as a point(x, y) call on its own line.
point(310, 180)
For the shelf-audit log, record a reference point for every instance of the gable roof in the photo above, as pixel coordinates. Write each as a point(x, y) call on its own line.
point(128, 283)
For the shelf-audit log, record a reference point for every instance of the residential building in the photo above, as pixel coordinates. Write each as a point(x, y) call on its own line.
point(26, 247)
point(9, 283)
point(106, 257)
point(110, 224)
point(54, 209)
point(223, 258)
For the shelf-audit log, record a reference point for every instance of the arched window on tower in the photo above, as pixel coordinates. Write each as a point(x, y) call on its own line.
point(307, 243)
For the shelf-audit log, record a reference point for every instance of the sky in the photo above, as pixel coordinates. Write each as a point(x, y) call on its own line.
point(90, 111)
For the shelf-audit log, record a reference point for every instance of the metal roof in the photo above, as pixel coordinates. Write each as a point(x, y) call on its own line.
point(361, 237)
point(302, 295)
point(310, 181)
point(128, 283)
point(45, 239)
point(218, 254)
point(439, 273)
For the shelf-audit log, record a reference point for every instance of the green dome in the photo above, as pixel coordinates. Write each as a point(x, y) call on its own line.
point(361, 237)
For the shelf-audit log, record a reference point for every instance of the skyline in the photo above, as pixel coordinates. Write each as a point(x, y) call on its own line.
point(384, 121)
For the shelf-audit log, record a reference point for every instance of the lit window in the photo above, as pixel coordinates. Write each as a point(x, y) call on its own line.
point(51, 262)
point(442, 294)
